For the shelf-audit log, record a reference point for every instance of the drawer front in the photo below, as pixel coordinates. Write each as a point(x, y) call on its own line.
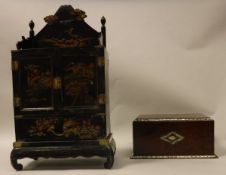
point(60, 128)
point(173, 138)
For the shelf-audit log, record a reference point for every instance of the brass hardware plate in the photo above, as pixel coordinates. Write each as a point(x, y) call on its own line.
point(15, 65)
point(101, 99)
point(17, 101)
point(57, 83)
point(18, 144)
point(100, 61)
point(102, 115)
point(18, 116)
point(104, 142)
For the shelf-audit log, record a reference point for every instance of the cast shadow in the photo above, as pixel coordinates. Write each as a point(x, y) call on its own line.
point(66, 164)
point(219, 148)
point(123, 158)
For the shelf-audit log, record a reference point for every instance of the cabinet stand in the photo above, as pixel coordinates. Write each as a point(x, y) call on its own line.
point(106, 149)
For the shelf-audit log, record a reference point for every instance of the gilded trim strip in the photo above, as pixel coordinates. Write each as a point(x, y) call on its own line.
point(176, 157)
point(38, 109)
point(171, 119)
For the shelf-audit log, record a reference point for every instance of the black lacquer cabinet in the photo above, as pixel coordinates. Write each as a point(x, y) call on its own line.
point(60, 87)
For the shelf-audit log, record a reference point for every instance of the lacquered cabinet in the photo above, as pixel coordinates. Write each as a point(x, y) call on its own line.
point(61, 100)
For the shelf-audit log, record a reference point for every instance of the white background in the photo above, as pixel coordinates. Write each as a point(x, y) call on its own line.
point(166, 56)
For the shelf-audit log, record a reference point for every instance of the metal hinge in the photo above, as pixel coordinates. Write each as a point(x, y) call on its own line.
point(57, 84)
point(15, 65)
point(100, 61)
point(18, 116)
point(18, 144)
point(102, 115)
point(101, 98)
point(104, 142)
point(17, 101)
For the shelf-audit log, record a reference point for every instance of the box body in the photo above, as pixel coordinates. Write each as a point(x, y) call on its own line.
point(173, 136)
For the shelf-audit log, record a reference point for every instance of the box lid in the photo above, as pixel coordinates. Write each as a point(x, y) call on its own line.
point(173, 117)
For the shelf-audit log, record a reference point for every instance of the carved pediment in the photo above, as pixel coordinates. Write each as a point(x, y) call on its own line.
point(66, 28)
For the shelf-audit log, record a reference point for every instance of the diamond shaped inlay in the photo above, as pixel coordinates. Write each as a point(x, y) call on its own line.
point(172, 137)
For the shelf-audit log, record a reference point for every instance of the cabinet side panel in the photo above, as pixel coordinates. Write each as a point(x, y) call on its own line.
point(108, 125)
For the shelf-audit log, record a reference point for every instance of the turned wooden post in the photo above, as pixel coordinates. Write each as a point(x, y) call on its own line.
point(103, 30)
point(31, 25)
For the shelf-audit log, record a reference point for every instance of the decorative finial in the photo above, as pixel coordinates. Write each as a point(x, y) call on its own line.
point(51, 19)
point(31, 25)
point(103, 30)
point(79, 14)
point(103, 20)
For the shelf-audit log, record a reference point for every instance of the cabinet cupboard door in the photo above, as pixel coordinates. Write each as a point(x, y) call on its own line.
point(79, 81)
point(51, 81)
point(32, 81)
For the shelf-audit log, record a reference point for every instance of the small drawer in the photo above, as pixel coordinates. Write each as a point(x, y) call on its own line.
point(43, 128)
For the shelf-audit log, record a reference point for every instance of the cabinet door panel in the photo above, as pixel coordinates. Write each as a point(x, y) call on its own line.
point(36, 83)
point(79, 81)
point(33, 75)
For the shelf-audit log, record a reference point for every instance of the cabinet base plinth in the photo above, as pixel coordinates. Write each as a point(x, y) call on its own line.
point(102, 150)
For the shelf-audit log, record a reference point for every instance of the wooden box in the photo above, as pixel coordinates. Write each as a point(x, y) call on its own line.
point(173, 136)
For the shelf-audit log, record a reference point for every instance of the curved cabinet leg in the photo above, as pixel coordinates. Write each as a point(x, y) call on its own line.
point(110, 159)
point(14, 162)
point(113, 145)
